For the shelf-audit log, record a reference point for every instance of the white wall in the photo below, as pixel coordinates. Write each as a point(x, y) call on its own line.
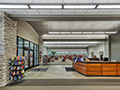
point(115, 47)
point(102, 47)
point(26, 31)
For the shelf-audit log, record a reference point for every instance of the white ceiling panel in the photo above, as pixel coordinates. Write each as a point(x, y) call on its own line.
point(1, 1)
point(85, 1)
point(113, 1)
point(100, 1)
point(80, 11)
point(40, 1)
point(103, 11)
point(32, 11)
point(44, 12)
point(25, 1)
point(115, 11)
point(9, 11)
point(55, 1)
point(56, 11)
point(10, 1)
point(70, 1)
point(68, 11)
point(20, 11)
point(92, 12)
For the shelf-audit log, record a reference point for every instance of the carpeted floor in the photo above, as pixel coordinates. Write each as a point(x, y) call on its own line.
point(68, 82)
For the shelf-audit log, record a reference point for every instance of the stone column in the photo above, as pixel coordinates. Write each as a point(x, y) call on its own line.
point(7, 45)
point(41, 45)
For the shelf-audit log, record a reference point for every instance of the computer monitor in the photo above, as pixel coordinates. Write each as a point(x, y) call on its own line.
point(105, 59)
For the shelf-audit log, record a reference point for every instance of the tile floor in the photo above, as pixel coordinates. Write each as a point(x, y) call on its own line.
point(56, 71)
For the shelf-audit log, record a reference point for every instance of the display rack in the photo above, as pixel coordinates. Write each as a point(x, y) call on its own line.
point(40, 57)
point(17, 68)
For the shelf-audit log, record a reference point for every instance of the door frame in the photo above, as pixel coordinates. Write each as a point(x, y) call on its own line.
point(29, 57)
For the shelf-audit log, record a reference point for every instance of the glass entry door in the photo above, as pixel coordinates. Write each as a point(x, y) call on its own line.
point(31, 58)
point(26, 53)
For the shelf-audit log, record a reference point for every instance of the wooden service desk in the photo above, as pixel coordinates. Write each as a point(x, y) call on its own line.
point(97, 67)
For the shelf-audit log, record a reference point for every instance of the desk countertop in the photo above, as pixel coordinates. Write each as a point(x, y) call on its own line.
point(111, 62)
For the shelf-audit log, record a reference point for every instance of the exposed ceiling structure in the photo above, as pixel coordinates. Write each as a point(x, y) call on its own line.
point(71, 28)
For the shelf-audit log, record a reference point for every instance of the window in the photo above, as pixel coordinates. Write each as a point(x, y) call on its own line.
point(20, 52)
point(26, 43)
point(20, 47)
point(20, 42)
point(31, 45)
point(28, 51)
point(37, 52)
point(35, 55)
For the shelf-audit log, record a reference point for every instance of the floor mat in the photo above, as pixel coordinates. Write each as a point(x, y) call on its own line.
point(70, 69)
point(40, 69)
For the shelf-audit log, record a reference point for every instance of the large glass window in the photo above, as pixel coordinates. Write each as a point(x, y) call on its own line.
point(26, 58)
point(20, 42)
point(26, 43)
point(31, 58)
point(35, 55)
point(20, 52)
point(20, 47)
point(28, 51)
point(31, 45)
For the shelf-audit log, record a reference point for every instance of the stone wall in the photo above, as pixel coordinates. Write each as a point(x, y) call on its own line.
point(41, 45)
point(7, 45)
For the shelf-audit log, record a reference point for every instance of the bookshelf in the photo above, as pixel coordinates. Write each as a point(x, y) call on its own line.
point(17, 68)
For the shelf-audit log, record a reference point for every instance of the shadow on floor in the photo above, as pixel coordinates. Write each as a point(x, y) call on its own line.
point(68, 82)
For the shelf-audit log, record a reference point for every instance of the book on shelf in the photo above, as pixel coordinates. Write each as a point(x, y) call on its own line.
point(17, 68)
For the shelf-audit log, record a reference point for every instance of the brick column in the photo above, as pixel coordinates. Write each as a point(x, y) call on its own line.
point(8, 29)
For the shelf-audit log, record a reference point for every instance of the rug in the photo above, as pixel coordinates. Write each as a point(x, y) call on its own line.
point(40, 69)
point(70, 69)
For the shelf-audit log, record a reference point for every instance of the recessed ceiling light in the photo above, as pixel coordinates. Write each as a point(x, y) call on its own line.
point(46, 6)
point(92, 25)
point(99, 32)
point(14, 6)
point(70, 25)
point(76, 32)
point(79, 6)
point(111, 32)
point(64, 32)
point(53, 32)
point(87, 32)
point(90, 42)
point(66, 45)
point(108, 6)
